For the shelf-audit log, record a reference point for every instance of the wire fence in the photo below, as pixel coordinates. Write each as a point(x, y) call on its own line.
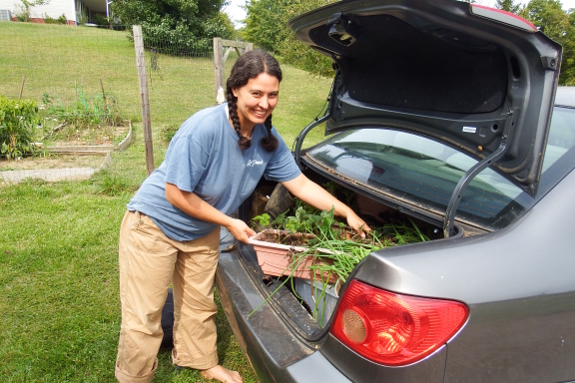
point(84, 81)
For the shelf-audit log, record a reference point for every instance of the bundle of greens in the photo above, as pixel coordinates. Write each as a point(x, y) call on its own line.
point(334, 240)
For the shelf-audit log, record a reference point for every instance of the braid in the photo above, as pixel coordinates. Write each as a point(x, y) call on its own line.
point(269, 143)
point(243, 142)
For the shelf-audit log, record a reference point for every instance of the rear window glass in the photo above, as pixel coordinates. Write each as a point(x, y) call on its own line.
point(425, 172)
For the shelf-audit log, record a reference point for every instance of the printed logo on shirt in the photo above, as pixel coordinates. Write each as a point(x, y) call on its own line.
point(252, 163)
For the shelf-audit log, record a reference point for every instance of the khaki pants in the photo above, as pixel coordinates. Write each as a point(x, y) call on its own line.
point(149, 262)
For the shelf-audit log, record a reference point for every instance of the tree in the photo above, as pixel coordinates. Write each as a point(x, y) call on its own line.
point(265, 23)
point(192, 23)
point(508, 5)
point(266, 27)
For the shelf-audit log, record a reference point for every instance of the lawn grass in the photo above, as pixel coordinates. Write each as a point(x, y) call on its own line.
point(61, 60)
point(58, 242)
point(59, 280)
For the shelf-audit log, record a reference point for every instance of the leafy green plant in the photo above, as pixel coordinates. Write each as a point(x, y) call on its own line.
point(17, 120)
point(62, 19)
point(338, 248)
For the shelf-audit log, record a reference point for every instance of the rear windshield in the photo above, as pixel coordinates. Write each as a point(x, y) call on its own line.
point(426, 172)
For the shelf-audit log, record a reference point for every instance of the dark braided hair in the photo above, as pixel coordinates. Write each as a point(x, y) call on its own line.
point(251, 65)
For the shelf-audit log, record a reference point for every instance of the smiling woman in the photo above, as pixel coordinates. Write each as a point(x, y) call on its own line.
point(170, 233)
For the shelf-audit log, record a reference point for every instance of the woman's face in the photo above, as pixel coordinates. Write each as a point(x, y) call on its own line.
point(257, 99)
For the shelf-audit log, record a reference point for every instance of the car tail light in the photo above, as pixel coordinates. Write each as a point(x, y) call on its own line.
point(394, 329)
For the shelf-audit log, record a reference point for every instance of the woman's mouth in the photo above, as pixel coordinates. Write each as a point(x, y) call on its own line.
point(259, 114)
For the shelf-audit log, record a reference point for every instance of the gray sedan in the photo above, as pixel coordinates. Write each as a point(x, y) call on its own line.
point(448, 114)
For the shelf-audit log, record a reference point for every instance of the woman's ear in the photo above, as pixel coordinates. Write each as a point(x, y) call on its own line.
point(235, 92)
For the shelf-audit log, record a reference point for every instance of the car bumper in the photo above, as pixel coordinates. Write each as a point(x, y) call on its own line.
point(276, 354)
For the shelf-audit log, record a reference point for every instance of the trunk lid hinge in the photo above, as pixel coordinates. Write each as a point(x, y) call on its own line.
point(448, 223)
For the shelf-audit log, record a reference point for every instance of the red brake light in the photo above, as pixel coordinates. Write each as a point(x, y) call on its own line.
point(394, 329)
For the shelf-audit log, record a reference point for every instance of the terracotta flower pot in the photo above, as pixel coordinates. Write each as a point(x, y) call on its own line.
point(279, 259)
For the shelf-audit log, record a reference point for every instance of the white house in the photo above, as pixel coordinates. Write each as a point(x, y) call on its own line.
point(71, 9)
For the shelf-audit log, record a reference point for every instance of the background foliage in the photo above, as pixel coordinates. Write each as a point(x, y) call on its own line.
point(189, 23)
point(266, 27)
point(559, 25)
point(17, 121)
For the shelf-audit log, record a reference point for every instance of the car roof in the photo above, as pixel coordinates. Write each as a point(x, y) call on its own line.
point(565, 96)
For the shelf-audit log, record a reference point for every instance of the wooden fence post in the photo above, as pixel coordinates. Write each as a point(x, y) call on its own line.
point(141, 64)
point(220, 57)
point(218, 65)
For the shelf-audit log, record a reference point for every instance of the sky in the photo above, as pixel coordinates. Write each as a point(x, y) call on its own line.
point(236, 13)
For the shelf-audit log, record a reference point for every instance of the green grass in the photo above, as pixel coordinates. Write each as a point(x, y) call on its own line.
point(58, 242)
point(59, 280)
point(57, 59)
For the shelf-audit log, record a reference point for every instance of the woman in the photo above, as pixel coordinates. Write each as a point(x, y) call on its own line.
point(170, 233)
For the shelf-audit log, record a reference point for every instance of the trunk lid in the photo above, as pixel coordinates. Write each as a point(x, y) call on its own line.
point(478, 79)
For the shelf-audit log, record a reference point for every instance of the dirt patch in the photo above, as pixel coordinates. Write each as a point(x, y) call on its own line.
point(69, 136)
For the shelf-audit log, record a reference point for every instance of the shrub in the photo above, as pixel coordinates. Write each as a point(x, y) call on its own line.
point(49, 20)
point(17, 120)
point(101, 20)
point(59, 20)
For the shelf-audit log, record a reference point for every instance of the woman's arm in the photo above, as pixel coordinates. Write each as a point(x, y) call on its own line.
point(310, 192)
point(193, 205)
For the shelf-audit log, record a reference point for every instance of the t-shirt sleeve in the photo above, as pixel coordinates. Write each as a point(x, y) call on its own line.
point(282, 166)
point(186, 163)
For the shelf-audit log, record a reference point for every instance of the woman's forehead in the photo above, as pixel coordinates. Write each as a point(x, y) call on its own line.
point(263, 81)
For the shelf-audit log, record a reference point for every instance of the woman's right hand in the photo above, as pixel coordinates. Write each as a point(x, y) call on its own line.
point(240, 230)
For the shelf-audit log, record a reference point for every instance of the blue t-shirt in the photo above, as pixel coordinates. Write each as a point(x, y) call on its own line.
point(204, 158)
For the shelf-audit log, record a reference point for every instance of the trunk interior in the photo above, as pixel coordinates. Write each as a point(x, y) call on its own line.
point(307, 306)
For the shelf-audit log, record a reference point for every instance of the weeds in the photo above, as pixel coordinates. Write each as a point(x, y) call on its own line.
point(88, 120)
point(112, 184)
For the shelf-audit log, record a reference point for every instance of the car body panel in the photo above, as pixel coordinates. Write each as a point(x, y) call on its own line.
point(523, 302)
point(436, 69)
point(361, 370)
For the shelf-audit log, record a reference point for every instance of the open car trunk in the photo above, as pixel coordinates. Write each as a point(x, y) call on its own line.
point(307, 305)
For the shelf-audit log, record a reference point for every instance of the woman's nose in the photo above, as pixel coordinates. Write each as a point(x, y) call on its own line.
point(264, 102)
